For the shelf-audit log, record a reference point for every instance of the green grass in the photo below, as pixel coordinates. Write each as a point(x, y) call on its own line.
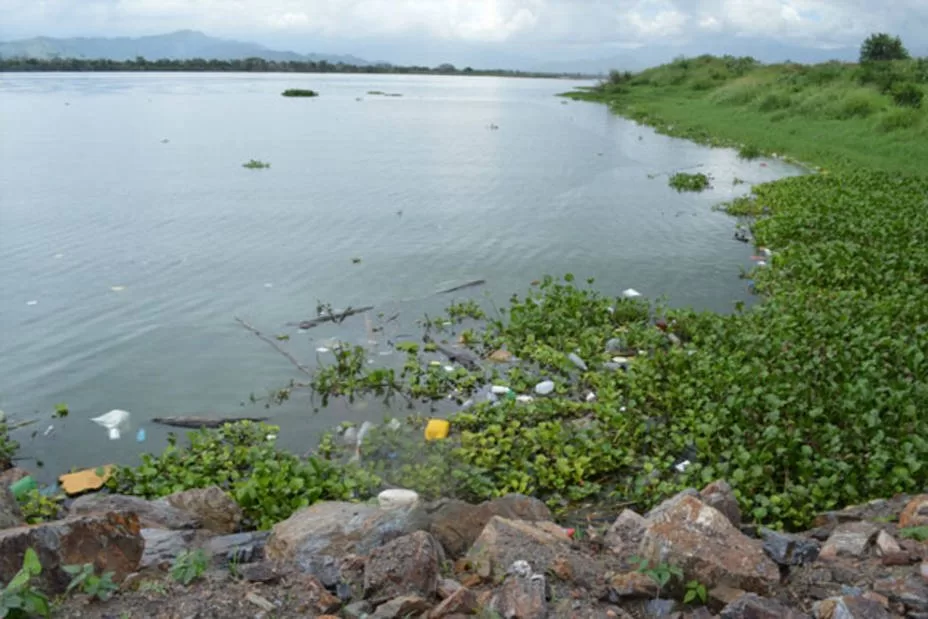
point(682, 181)
point(822, 114)
point(299, 92)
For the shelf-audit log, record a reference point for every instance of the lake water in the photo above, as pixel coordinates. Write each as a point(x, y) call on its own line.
point(131, 235)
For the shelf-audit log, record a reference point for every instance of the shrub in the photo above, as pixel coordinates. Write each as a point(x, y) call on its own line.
point(19, 599)
point(682, 181)
point(856, 105)
point(882, 75)
point(882, 47)
point(83, 577)
point(299, 92)
point(749, 152)
point(896, 119)
point(775, 101)
point(907, 95)
point(268, 483)
point(189, 566)
point(8, 447)
point(36, 507)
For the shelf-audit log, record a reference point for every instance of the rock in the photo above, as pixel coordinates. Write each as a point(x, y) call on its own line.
point(500, 356)
point(457, 524)
point(10, 515)
point(447, 587)
point(850, 607)
point(659, 608)
point(152, 514)
point(163, 546)
point(788, 549)
point(851, 539)
point(719, 495)
point(877, 510)
point(633, 585)
point(577, 361)
point(700, 613)
point(217, 511)
point(886, 544)
point(393, 499)
point(112, 542)
point(463, 602)
point(261, 602)
point(405, 566)
point(702, 542)
point(625, 534)
point(264, 572)
point(505, 541)
point(238, 547)
point(320, 600)
point(722, 596)
point(402, 607)
point(357, 610)
point(315, 538)
point(11, 476)
point(910, 591)
point(915, 513)
point(522, 595)
point(751, 606)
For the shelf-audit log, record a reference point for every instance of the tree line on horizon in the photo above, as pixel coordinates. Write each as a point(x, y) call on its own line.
point(247, 65)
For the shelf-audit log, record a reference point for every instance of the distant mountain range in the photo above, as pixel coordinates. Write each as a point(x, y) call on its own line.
point(176, 45)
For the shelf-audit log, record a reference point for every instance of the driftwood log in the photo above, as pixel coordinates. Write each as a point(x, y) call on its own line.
point(337, 317)
point(470, 284)
point(203, 422)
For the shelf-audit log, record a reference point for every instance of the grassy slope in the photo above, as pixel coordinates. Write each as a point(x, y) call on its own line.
point(820, 114)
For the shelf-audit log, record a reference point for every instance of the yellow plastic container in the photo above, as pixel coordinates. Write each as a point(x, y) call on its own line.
point(437, 429)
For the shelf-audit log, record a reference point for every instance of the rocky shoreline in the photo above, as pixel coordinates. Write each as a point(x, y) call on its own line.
point(502, 558)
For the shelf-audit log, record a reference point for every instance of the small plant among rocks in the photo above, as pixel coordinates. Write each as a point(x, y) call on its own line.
point(919, 534)
point(695, 592)
point(86, 580)
point(682, 181)
point(660, 573)
point(20, 599)
point(189, 566)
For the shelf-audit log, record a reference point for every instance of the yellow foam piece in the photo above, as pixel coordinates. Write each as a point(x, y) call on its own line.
point(86, 480)
point(437, 429)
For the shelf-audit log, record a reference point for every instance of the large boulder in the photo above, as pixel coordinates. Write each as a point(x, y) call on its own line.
point(10, 516)
point(720, 495)
point(504, 542)
point(522, 595)
point(162, 546)
point(152, 514)
point(216, 510)
point(787, 549)
point(406, 566)
point(317, 537)
point(702, 542)
point(851, 539)
point(457, 524)
point(625, 534)
point(850, 607)
point(111, 542)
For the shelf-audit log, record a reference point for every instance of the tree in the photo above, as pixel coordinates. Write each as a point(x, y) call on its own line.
point(882, 46)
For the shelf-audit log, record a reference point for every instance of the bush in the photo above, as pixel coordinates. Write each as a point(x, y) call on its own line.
point(882, 47)
point(775, 101)
point(8, 447)
point(857, 105)
point(882, 75)
point(681, 181)
point(268, 483)
point(298, 92)
point(896, 119)
point(749, 152)
point(907, 95)
point(36, 507)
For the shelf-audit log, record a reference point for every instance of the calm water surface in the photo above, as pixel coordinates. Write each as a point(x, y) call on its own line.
point(130, 235)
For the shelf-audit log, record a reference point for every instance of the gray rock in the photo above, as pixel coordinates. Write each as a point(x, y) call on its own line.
point(406, 566)
point(624, 536)
point(522, 595)
point(851, 539)
point(911, 591)
point(751, 606)
point(10, 515)
point(163, 546)
point(457, 525)
point(788, 549)
point(216, 510)
point(720, 495)
point(357, 610)
point(238, 547)
point(577, 361)
point(659, 608)
point(264, 572)
point(152, 514)
point(848, 607)
point(402, 607)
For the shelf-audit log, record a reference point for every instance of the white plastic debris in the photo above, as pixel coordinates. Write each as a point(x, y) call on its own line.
point(322, 349)
point(630, 293)
point(32, 302)
point(761, 263)
point(544, 387)
point(682, 466)
point(622, 409)
point(766, 252)
point(500, 390)
point(577, 361)
point(520, 568)
point(117, 288)
point(591, 397)
point(397, 498)
point(270, 437)
point(48, 430)
point(524, 399)
point(113, 421)
point(394, 424)
point(366, 427)
point(449, 368)
point(620, 360)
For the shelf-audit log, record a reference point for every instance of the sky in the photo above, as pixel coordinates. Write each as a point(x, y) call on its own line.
point(460, 31)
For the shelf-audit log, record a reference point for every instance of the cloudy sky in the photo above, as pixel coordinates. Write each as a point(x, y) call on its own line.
point(458, 30)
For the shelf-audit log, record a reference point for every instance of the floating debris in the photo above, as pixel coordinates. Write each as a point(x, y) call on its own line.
point(202, 422)
point(32, 302)
point(630, 293)
point(113, 421)
point(470, 284)
point(397, 498)
point(525, 399)
point(577, 361)
point(140, 436)
point(437, 429)
point(117, 288)
point(500, 390)
point(545, 387)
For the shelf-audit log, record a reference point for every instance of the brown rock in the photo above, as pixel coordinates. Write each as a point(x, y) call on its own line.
point(625, 534)
point(882, 600)
point(719, 495)
point(522, 595)
point(10, 515)
point(405, 566)
point(111, 542)
point(152, 514)
point(850, 607)
point(264, 572)
point(162, 546)
point(702, 542)
point(910, 591)
point(700, 613)
point(886, 544)
point(722, 596)
point(751, 606)
point(457, 524)
point(216, 510)
point(899, 558)
point(915, 513)
point(851, 539)
point(463, 601)
point(320, 600)
point(562, 569)
point(447, 587)
point(11, 476)
point(634, 585)
point(500, 356)
point(402, 607)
